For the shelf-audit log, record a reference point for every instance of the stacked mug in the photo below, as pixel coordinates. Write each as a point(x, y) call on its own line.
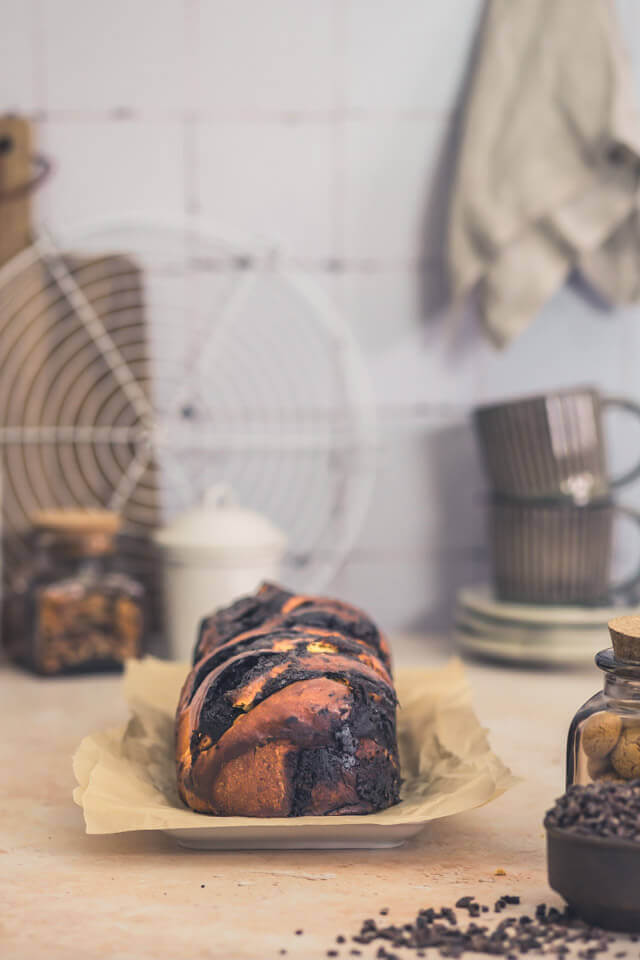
point(551, 509)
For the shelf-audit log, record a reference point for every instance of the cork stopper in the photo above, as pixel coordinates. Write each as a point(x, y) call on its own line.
point(89, 533)
point(625, 637)
point(76, 522)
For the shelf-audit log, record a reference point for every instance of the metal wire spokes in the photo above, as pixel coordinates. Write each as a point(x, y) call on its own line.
point(140, 363)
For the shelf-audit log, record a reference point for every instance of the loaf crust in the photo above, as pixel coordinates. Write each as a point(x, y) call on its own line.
point(283, 717)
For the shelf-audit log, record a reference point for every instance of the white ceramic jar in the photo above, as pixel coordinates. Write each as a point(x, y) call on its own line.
point(213, 554)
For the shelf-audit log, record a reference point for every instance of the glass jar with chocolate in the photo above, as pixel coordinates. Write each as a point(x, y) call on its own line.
point(604, 737)
point(70, 609)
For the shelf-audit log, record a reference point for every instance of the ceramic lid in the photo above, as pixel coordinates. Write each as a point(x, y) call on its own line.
point(219, 527)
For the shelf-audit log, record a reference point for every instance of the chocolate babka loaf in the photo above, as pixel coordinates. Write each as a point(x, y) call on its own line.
point(281, 716)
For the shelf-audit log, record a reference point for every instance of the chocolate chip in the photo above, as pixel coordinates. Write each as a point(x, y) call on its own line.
point(603, 809)
point(465, 902)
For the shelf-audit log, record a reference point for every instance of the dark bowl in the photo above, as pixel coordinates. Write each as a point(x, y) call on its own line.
point(597, 876)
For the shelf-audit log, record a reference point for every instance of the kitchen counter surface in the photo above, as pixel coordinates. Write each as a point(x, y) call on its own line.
point(64, 894)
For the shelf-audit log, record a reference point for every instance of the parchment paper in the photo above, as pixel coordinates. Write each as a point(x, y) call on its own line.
point(126, 775)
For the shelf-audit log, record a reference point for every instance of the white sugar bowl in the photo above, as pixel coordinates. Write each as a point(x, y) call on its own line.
point(212, 554)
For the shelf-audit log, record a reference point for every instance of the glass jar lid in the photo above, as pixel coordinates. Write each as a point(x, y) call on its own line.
point(608, 661)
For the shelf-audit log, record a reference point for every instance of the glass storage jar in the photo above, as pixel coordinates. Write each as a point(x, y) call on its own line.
point(69, 609)
point(604, 737)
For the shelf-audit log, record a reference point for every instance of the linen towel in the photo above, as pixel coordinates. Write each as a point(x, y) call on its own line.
point(548, 173)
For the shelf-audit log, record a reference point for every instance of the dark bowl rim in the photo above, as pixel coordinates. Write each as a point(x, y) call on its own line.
point(496, 498)
point(585, 840)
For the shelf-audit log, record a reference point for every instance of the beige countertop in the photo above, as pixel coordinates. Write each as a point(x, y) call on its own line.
point(64, 894)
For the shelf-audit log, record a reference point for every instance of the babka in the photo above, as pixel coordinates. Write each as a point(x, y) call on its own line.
point(289, 710)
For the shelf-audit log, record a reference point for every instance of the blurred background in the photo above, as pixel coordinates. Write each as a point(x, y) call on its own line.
point(329, 128)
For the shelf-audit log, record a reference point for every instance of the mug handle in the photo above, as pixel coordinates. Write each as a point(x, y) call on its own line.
point(624, 403)
point(623, 586)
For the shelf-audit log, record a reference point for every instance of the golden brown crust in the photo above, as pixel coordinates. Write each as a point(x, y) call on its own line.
point(298, 716)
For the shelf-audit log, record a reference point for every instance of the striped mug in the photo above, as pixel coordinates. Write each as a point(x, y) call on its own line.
point(550, 445)
point(555, 552)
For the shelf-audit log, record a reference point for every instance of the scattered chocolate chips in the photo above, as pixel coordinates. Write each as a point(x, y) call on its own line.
point(549, 931)
point(340, 938)
point(600, 809)
point(299, 933)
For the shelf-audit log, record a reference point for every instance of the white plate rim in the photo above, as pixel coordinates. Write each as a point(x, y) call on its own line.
point(480, 600)
point(522, 653)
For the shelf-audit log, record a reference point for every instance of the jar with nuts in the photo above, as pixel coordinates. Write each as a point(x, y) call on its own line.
point(71, 610)
point(604, 737)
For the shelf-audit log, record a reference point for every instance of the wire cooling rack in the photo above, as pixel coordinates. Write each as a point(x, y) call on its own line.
point(143, 361)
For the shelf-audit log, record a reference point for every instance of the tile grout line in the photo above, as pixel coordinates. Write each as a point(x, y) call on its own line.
point(189, 118)
point(339, 14)
point(339, 115)
point(41, 204)
point(39, 53)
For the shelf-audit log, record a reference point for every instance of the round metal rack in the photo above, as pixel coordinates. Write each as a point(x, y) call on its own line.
point(142, 362)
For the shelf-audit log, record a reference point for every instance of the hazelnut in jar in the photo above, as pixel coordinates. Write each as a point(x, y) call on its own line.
point(604, 737)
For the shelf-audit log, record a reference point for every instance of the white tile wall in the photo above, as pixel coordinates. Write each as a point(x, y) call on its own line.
point(265, 58)
point(103, 169)
point(406, 591)
point(125, 55)
point(569, 340)
point(418, 468)
point(391, 168)
point(17, 56)
point(327, 126)
point(404, 55)
point(271, 180)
